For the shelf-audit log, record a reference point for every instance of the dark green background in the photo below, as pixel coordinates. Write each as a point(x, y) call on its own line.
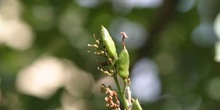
point(169, 37)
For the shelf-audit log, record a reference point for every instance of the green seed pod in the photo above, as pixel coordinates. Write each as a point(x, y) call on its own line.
point(136, 105)
point(109, 43)
point(123, 64)
point(123, 60)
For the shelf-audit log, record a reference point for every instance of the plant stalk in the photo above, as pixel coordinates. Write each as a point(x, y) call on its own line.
point(121, 92)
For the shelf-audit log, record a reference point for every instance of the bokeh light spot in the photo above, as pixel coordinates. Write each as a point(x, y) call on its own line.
point(87, 3)
point(217, 51)
point(213, 88)
point(136, 32)
point(42, 78)
point(43, 17)
point(217, 26)
point(185, 5)
point(14, 33)
point(145, 81)
point(166, 62)
point(204, 35)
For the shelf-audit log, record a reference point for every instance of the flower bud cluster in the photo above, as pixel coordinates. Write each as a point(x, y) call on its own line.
point(111, 99)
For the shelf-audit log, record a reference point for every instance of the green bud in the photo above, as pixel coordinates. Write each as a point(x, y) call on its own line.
point(108, 43)
point(123, 61)
point(136, 105)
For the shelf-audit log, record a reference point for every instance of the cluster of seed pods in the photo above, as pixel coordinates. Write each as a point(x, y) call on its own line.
point(105, 47)
point(114, 65)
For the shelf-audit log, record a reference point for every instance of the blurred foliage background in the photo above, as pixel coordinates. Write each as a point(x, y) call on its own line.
point(174, 48)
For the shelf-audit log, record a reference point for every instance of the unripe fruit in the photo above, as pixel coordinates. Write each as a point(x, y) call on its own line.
point(108, 43)
point(123, 64)
point(123, 61)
